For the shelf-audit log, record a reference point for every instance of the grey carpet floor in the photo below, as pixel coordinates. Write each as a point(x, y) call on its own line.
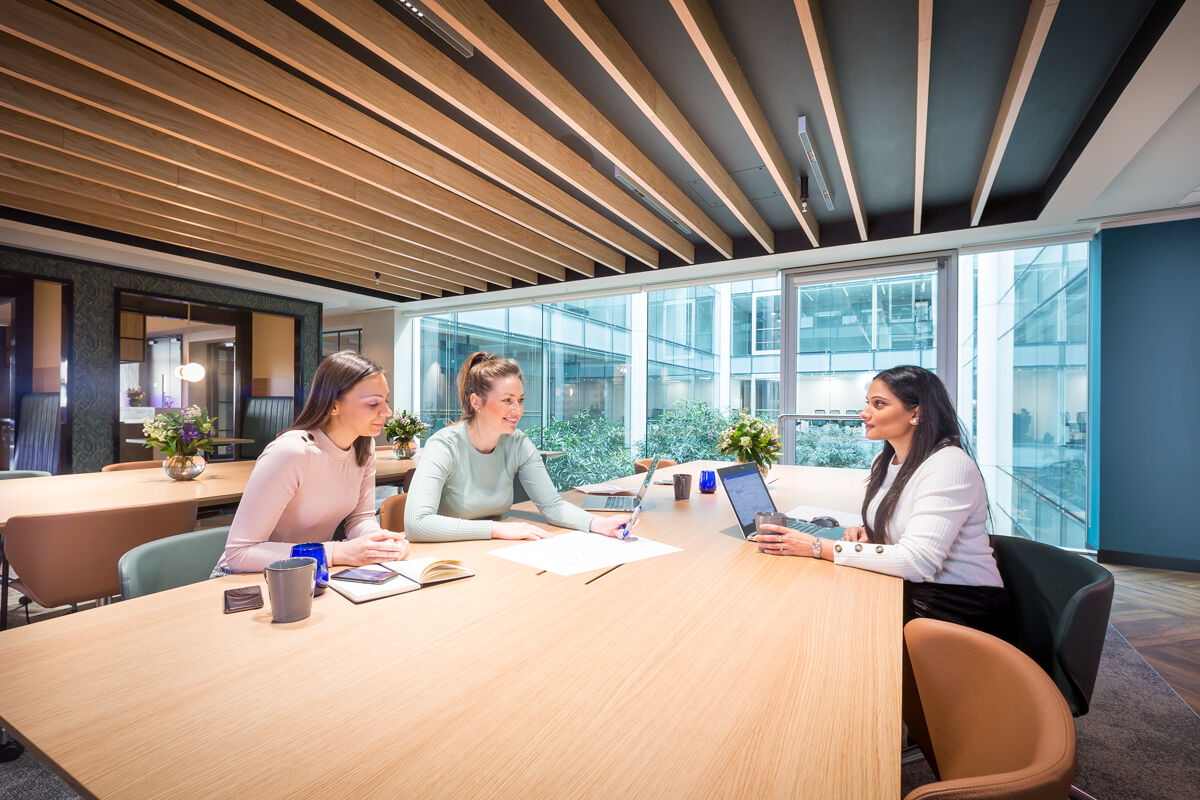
point(1139, 741)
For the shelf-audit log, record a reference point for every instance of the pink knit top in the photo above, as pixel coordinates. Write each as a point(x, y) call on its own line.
point(302, 486)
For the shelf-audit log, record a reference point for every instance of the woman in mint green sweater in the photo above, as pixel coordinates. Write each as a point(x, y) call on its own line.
point(464, 481)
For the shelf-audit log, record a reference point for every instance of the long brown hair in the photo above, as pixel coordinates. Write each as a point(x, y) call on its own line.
point(937, 427)
point(477, 376)
point(336, 375)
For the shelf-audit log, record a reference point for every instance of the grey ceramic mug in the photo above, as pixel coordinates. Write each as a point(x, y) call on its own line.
point(770, 518)
point(290, 584)
point(683, 485)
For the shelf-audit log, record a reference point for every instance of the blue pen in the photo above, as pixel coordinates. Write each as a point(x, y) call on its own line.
point(628, 526)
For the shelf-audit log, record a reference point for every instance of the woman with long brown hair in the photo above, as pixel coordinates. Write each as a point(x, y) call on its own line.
point(464, 482)
point(924, 512)
point(317, 474)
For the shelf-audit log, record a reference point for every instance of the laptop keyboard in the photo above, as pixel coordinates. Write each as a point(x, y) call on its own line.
point(804, 527)
point(616, 502)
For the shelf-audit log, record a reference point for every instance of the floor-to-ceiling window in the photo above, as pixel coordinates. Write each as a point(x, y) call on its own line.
point(755, 327)
point(681, 347)
point(1024, 386)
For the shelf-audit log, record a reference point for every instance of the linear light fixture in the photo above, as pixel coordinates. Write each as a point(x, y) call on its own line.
point(624, 180)
point(437, 26)
point(811, 152)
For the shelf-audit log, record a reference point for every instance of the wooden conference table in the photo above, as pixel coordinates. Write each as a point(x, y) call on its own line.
point(221, 482)
point(716, 671)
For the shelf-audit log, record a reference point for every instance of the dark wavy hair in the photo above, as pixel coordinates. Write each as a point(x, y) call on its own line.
point(337, 374)
point(937, 427)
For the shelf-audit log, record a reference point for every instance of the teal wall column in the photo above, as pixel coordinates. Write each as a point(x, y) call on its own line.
point(1149, 388)
point(92, 381)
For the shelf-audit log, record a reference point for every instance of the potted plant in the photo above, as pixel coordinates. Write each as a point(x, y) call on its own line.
point(751, 439)
point(183, 436)
point(136, 396)
point(402, 431)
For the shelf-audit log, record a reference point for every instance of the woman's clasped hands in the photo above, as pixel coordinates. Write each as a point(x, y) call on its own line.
point(777, 540)
point(371, 548)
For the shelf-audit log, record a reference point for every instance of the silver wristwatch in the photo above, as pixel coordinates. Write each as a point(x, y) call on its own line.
point(816, 547)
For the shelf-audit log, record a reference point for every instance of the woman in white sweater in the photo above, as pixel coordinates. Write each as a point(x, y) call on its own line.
point(924, 511)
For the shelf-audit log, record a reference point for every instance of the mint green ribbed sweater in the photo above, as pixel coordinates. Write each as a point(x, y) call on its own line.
point(457, 491)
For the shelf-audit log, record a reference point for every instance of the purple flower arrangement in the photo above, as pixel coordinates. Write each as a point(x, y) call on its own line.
point(181, 434)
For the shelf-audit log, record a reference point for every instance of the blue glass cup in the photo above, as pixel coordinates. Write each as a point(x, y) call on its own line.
point(321, 575)
point(708, 481)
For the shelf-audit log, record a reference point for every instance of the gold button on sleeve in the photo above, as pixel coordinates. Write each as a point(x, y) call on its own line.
point(879, 548)
point(837, 548)
point(858, 548)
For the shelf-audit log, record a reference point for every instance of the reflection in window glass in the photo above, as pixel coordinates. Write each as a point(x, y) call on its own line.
point(681, 362)
point(1024, 372)
point(333, 341)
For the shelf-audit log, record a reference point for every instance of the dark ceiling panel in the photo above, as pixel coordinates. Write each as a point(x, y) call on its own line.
point(972, 54)
point(874, 51)
point(1085, 41)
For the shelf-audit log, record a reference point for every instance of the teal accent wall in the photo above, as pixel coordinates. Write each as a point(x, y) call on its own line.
point(92, 381)
point(1149, 390)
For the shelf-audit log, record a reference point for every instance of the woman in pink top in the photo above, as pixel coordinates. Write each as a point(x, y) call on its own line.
point(318, 473)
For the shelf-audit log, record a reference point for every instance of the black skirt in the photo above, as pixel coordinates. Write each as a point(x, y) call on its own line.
point(985, 608)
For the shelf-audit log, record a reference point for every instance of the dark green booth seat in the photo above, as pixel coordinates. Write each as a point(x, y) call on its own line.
point(263, 420)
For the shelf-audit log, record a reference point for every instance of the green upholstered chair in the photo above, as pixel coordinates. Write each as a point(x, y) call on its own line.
point(38, 432)
point(8, 474)
point(264, 419)
point(171, 562)
point(1061, 602)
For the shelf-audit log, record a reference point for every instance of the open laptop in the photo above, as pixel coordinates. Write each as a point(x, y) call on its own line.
point(748, 495)
point(621, 502)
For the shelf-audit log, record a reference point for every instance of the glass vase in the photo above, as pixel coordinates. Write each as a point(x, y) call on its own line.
point(404, 449)
point(183, 468)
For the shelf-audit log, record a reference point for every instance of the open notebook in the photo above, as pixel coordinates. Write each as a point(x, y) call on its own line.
point(415, 574)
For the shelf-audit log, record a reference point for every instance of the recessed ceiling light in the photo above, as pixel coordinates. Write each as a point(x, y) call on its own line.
point(811, 153)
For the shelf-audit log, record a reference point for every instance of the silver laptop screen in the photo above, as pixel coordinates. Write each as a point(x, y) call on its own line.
point(748, 494)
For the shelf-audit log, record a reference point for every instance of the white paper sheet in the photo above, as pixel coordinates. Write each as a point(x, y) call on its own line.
point(576, 551)
point(600, 488)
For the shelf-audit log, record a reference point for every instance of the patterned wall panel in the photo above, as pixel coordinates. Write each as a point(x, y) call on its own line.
point(92, 386)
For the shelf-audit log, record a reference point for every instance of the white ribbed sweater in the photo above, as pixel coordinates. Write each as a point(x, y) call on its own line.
point(937, 532)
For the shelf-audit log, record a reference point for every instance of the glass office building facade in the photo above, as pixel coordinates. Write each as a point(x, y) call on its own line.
point(1024, 388)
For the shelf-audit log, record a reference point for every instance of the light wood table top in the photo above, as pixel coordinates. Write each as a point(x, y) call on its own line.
point(221, 482)
point(716, 671)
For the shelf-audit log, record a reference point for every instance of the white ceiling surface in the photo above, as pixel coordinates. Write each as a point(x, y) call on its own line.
point(1144, 158)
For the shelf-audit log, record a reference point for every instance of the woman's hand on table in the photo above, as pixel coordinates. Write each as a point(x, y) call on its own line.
point(777, 540)
point(611, 525)
point(855, 534)
point(371, 549)
point(518, 530)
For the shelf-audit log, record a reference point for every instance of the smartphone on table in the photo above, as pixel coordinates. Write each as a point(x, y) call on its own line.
point(243, 598)
point(366, 575)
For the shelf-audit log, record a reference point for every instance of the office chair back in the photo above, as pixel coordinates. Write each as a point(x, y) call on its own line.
point(70, 558)
point(263, 420)
point(1061, 603)
point(38, 432)
point(124, 465)
point(171, 562)
point(391, 513)
point(999, 726)
point(642, 465)
point(10, 474)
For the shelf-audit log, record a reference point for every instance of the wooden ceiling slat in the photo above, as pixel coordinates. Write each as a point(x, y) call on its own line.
point(494, 38)
point(1029, 50)
point(602, 39)
point(710, 42)
point(924, 47)
point(378, 31)
point(108, 184)
point(809, 12)
point(163, 30)
point(61, 205)
point(135, 65)
point(390, 231)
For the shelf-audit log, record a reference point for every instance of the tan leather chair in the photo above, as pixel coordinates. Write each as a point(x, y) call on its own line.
point(62, 559)
point(643, 464)
point(391, 513)
point(998, 725)
point(124, 465)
